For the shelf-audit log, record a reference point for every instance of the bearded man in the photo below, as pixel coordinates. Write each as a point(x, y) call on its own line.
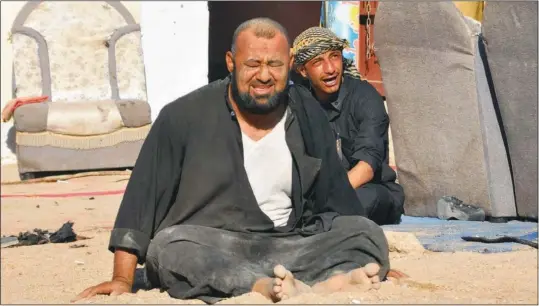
point(233, 191)
point(358, 118)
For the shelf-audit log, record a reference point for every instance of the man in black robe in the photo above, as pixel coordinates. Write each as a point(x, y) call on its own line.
point(190, 212)
point(358, 118)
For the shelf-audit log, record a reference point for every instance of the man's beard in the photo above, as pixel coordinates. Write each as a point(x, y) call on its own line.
point(247, 103)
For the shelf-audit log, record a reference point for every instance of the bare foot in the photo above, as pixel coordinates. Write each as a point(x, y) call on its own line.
point(365, 278)
point(283, 286)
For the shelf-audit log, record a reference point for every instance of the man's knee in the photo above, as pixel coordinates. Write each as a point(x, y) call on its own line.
point(174, 251)
point(367, 234)
point(380, 203)
point(367, 194)
point(172, 247)
point(362, 227)
point(155, 262)
point(162, 240)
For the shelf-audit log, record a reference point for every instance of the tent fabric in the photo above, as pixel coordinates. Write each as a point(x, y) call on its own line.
point(497, 164)
point(510, 29)
point(443, 126)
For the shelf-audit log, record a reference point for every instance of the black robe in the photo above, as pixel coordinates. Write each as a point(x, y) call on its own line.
point(190, 171)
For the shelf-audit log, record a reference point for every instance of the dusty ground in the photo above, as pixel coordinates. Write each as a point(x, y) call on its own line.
point(55, 273)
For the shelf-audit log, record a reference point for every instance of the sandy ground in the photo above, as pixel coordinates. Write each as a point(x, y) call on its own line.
point(54, 273)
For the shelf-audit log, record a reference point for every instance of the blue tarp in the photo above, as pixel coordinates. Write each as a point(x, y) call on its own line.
point(445, 236)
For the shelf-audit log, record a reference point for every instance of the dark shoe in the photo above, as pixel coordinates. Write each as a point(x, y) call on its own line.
point(452, 208)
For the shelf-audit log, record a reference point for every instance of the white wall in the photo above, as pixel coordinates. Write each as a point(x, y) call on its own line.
point(9, 10)
point(175, 47)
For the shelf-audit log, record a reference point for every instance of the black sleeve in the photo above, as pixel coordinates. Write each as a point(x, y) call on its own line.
point(372, 123)
point(149, 192)
point(334, 193)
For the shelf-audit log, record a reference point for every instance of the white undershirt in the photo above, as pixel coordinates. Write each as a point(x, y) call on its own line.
point(268, 164)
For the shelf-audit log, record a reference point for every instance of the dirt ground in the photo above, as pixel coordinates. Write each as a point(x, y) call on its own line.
point(55, 273)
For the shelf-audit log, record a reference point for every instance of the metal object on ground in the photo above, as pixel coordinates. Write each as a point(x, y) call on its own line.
point(8, 241)
point(452, 208)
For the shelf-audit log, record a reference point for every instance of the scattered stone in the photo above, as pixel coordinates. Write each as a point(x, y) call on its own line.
point(91, 198)
point(402, 242)
point(354, 301)
point(77, 246)
point(37, 206)
point(80, 263)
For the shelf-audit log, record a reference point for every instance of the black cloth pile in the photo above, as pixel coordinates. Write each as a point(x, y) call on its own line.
point(39, 236)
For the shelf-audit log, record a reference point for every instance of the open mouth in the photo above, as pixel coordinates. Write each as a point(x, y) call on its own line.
point(330, 82)
point(262, 90)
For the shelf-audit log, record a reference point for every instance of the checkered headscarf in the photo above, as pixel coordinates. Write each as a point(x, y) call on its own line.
point(315, 41)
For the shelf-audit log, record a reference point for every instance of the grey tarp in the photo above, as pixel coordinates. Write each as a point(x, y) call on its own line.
point(510, 29)
point(446, 135)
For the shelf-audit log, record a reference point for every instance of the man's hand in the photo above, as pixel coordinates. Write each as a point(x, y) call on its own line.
point(361, 174)
point(122, 278)
point(114, 287)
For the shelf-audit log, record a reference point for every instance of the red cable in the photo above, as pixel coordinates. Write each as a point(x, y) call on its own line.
point(76, 194)
point(64, 195)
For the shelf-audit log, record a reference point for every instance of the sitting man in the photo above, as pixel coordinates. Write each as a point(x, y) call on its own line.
point(233, 191)
point(358, 118)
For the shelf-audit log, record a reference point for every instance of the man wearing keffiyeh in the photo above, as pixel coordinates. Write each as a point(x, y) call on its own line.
point(358, 117)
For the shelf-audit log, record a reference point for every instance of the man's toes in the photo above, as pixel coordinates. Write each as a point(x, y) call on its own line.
point(371, 269)
point(376, 284)
point(359, 277)
point(280, 271)
point(277, 286)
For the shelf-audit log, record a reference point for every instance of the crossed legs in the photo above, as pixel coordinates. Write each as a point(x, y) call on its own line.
point(211, 264)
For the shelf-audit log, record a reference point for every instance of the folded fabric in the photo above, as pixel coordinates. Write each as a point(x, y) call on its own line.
point(12, 105)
